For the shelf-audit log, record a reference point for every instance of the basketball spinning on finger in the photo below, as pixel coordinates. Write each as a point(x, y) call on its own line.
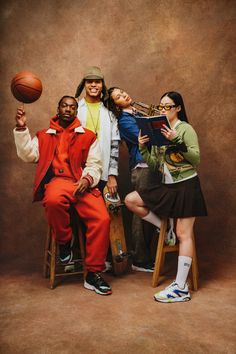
point(26, 87)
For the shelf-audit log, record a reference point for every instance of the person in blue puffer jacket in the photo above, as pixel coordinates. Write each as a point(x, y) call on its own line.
point(120, 104)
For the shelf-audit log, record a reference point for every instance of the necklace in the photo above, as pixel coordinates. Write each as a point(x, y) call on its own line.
point(94, 120)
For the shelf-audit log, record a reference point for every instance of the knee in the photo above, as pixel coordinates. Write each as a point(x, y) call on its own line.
point(53, 202)
point(182, 234)
point(130, 200)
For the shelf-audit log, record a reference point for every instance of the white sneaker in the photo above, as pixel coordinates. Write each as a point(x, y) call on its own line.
point(173, 294)
point(170, 238)
point(143, 267)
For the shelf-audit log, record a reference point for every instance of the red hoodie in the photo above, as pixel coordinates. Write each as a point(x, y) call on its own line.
point(61, 164)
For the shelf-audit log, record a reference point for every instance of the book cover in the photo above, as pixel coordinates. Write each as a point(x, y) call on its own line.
point(151, 126)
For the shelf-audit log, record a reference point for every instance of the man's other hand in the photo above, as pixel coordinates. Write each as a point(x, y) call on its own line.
point(81, 187)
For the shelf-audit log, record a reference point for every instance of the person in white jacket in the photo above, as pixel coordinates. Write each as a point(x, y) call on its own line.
point(95, 116)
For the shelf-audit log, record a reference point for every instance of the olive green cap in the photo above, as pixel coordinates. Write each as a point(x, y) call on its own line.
point(93, 72)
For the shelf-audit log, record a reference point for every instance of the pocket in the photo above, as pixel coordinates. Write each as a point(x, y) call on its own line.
point(95, 191)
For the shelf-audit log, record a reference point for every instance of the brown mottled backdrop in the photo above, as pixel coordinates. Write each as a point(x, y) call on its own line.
point(146, 47)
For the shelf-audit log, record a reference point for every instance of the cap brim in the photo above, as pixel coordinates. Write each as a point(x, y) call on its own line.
point(95, 77)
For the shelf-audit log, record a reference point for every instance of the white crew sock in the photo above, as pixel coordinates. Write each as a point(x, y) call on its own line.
point(184, 264)
point(153, 219)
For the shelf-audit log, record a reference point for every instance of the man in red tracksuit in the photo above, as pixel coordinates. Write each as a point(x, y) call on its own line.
point(69, 167)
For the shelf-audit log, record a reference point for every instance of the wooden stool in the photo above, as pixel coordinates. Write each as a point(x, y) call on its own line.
point(162, 249)
point(52, 266)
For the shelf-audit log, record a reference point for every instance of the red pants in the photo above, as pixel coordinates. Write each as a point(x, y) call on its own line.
point(92, 211)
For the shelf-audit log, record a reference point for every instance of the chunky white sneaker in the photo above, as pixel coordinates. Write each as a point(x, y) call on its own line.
point(173, 294)
point(170, 238)
point(95, 282)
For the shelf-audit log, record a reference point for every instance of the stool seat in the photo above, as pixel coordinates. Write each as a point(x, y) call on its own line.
point(52, 267)
point(162, 249)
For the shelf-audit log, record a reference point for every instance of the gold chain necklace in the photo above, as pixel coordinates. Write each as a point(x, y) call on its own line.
point(95, 126)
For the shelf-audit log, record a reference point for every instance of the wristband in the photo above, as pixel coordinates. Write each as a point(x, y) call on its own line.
point(89, 179)
point(20, 127)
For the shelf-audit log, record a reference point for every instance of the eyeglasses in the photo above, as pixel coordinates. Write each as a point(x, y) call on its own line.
point(167, 107)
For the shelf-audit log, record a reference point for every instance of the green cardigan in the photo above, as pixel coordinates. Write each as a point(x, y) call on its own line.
point(180, 158)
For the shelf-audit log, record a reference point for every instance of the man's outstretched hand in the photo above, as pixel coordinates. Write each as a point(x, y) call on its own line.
point(20, 117)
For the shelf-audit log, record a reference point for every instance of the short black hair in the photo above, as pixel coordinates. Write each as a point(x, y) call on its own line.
point(73, 98)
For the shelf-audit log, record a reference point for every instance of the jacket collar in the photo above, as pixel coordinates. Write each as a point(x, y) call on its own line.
point(79, 129)
point(82, 103)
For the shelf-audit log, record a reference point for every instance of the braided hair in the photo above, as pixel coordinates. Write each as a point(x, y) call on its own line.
point(81, 87)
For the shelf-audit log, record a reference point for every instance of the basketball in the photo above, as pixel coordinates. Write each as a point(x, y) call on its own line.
point(26, 87)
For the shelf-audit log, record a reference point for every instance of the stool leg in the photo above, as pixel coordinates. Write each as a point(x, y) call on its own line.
point(162, 261)
point(82, 247)
point(53, 263)
point(160, 245)
point(47, 244)
point(194, 268)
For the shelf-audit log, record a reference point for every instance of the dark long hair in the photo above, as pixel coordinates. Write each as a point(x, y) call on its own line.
point(110, 104)
point(178, 100)
point(81, 87)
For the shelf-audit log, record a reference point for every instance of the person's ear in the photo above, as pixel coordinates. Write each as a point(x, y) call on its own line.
point(178, 108)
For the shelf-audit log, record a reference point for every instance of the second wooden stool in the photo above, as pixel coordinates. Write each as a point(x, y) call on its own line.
point(162, 249)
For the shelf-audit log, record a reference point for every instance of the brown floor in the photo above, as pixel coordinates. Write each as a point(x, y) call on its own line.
point(71, 319)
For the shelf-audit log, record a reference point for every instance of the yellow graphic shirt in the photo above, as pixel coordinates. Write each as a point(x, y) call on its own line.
point(93, 117)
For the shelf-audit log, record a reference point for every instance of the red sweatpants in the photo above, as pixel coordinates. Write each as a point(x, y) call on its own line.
point(92, 211)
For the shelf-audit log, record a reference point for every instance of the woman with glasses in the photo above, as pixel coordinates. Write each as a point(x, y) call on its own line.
point(120, 103)
point(179, 194)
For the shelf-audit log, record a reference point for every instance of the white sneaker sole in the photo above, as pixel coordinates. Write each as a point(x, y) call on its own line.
point(140, 269)
point(92, 287)
point(176, 299)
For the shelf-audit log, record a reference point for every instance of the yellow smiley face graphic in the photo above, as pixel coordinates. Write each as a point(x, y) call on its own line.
point(176, 157)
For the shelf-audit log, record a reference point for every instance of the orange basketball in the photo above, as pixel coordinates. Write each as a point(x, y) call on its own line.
point(26, 87)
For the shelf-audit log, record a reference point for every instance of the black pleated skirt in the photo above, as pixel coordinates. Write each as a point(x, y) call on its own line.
point(176, 200)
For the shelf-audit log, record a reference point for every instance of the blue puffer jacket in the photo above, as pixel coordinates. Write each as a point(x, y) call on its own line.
point(129, 133)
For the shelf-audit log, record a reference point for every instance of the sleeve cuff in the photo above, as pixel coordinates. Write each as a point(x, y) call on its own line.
point(180, 144)
point(89, 179)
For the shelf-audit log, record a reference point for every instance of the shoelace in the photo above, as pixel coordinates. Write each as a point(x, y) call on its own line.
point(101, 281)
point(170, 237)
point(171, 286)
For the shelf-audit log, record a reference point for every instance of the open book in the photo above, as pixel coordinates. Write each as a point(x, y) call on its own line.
point(151, 126)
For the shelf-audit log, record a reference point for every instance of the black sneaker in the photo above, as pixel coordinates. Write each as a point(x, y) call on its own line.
point(143, 267)
point(94, 281)
point(65, 252)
